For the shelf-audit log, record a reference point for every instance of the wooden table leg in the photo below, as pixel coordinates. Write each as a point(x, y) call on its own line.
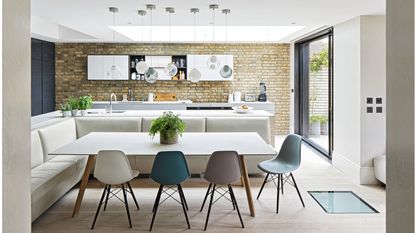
point(84, 182)
point(247, 186)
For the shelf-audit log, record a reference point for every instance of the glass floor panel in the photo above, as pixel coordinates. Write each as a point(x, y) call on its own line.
point(341, 202)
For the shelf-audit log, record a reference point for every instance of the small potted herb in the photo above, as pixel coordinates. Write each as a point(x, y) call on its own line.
point(169, 126)
point(66, 110)
point(73, 102)
point(85, 102)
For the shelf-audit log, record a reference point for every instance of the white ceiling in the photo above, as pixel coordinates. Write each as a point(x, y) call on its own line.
point(90, 20)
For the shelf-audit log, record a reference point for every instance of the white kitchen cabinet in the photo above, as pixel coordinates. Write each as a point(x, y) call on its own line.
point(99, 66)
point(200, 62)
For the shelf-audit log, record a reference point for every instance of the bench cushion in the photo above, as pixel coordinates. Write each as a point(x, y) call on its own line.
point(261, 125)
point(193, 124)
point(85, 125)
point(56, 136)
point(36, 150)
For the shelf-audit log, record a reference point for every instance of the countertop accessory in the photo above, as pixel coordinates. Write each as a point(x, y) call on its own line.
point(171, 69)
point(141, 66)
point(213, 61)
point(242, 108)
point(226, 70)
point(237, 96)
point(230, 98)
point(115, 71)
point(151, 97)
point(165, 97)
point(250, 97)
point(194, 74)
point(151, 75)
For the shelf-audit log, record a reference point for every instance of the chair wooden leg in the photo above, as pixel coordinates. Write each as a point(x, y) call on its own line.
point(210, 206)
point(204, 200)
point(99, 207)
point(235, 204)
point(126, 205)
point(182, 201)
point(132, 194)
point(106, 199)
point(156, 204)
point(296, 187)
point(262, 187)
point(179, 187)
point(278, 192)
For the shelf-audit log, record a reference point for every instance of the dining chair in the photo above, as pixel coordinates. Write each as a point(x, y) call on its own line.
point(287, 161)
point(113, 168)
point(222, 169)
point(170, 170)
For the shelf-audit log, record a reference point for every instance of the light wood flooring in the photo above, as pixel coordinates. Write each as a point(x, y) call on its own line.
point(314, 174)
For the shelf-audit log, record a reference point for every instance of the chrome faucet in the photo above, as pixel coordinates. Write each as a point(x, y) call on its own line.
point(115, 100)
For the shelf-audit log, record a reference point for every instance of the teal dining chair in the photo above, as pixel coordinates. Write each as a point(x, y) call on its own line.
point(170, 170)
point(287, 161)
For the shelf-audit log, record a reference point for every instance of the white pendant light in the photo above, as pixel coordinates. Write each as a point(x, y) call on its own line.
point(194, 74)
point(115, 71)
point(170, 70)
point(141, 66)
point(213, 61)
point(151, 75)
point(226, 70)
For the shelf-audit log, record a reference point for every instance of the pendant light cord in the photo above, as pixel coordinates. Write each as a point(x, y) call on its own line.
point(151, 33)
point(226, 37)
point(213, 25)
point(170, 27)
point(194, 39)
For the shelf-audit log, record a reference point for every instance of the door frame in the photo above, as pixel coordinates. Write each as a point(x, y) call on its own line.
point(301, 89)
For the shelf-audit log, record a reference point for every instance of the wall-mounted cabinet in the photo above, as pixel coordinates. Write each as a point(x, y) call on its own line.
point(200, 62)
point(159, 63)
point(99, 67)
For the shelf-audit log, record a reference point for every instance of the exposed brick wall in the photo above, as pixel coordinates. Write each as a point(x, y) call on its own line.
point(252, 63)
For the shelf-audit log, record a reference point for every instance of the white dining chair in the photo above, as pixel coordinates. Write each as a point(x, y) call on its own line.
point(113, 168)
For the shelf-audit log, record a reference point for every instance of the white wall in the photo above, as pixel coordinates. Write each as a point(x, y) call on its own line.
point(346, 154)
point(359, 72)
point(16, 116)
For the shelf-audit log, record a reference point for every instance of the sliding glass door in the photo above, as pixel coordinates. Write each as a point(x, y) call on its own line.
point(314, 91)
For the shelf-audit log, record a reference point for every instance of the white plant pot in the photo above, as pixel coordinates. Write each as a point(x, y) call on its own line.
point(66, 113)
point(314, 128)
point(74, 112)
point(83, 112)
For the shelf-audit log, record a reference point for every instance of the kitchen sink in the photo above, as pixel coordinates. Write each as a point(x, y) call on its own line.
point(118, 111)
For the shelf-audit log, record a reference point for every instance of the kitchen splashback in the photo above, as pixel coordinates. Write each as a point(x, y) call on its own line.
point(252, 63)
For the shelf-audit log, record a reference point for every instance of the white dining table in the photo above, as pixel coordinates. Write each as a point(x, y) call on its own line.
point(191, 144)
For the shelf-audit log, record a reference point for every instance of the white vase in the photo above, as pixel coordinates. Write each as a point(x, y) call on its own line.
point(66, 113)
point(83, 112)
point(74, 112)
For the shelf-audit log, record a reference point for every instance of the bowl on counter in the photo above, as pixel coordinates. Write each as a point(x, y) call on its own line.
point(242, 109)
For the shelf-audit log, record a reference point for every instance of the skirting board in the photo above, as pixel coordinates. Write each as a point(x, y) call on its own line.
point(356, 173)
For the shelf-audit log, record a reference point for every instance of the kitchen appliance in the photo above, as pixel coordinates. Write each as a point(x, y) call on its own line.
point(237, 96)
point(262, 92)
point(151, 97)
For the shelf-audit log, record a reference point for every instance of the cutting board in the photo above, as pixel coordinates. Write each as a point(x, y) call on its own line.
point(165, 97)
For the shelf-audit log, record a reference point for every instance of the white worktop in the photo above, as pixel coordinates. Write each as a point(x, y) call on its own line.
point(40, 120)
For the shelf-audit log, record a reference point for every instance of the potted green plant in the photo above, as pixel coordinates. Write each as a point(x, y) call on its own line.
point(324, 125)
point(85, 102)
point(169, 126)
point(314, 125)
point(73, 102)
point(65, 109)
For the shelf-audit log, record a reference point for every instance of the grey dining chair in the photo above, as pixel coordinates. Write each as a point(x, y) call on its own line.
point(287, 161)
point(113, 168)
point(222, 169)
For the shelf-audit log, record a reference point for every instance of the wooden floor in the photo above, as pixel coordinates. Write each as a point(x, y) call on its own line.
point(314, 174)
